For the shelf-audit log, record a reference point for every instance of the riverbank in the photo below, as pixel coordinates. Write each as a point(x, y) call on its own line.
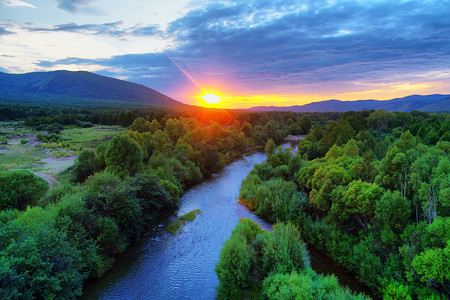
point(167, 266)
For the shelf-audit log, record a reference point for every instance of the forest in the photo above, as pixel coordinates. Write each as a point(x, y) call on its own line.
point(52, 240)
point(371, 189)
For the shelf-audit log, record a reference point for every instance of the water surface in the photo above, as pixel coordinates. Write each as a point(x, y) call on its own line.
point(166, 266)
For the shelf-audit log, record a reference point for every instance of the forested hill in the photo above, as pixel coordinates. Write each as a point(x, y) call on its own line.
point(428, 103)
point(70, 86)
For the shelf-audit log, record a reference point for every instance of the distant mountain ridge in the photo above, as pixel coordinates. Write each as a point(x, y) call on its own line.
point(79, 85)
point(428, 103)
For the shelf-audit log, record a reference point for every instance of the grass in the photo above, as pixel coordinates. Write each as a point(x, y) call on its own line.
point(89, 137)
point(22, 156)
point(175, 226)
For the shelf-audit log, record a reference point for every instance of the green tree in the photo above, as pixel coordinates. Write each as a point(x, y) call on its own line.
point(395, 168)
point(86, 165)
point(394, 210)
point(359, 202)
point(284, 251)
point(20, 188)
point(270, 148)
point(234, 268)
point(123, 156)
point(37, 261)
point(434, 265)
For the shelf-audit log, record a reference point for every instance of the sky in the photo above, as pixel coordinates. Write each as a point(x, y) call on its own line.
point(249, 52)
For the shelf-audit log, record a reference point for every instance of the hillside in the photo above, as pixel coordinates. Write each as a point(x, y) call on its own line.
point(429, 103)
point(73, 86)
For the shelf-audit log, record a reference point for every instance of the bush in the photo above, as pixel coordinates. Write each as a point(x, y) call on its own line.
point(86, 165)
point(20, 188)
point(284, 251)
point(37, 261)
point(234, 268)
point(305, 285)
point(124, 156)
point(152, 196)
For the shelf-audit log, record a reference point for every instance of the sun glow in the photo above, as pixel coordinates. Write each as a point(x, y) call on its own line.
point(211, 98)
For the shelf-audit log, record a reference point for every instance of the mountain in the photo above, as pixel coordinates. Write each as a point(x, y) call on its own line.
point(77, 86)
point(427, 103)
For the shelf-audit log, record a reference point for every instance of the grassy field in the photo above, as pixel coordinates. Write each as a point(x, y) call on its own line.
point(89, 137)
point(23, 151)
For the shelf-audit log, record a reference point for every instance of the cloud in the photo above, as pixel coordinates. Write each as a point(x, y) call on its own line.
point(275, 43)
point(270, 47)
point(16, 3)
point(76, 6)
point(114, 29)
point(3, 31)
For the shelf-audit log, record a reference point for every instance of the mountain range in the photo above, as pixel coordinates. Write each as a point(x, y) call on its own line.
point(89, 88)
point(428, 103)
point(77, 86)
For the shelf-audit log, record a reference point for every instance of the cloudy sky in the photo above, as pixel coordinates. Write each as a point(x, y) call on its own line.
point(251, 52)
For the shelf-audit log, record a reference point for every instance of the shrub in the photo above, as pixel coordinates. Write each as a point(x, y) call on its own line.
point(20, 188)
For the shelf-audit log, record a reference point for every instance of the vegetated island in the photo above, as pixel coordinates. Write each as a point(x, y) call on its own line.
point(175, 226)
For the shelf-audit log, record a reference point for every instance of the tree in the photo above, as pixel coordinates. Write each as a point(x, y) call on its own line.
point(234, 267)
point(305, 285)
point(152, 197)
point(359, 201)
point(270, 148)
point(395, 168)
point(305, 124)
point(86, 165)
point(394, 210)
point(434, 264)
point(123, 155)
point(140, 125)
point(36, 260)
point(284, 251)
point(20, 188)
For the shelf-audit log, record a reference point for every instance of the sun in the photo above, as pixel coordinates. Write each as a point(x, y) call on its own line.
point(211, 98)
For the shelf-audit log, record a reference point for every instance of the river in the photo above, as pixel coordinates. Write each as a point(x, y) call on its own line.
point(166, 266)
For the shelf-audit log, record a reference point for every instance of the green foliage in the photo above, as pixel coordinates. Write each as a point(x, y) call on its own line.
point(37, 261)
point(270, 148)
point(305, 285)
point(152, 195)
point(175, 226)
point(358, 201)
point(190, 216)
point(377, 190)
point(434, 264)
point(394, 210)
point(284, 251)
point(109, 196)
point(86, 165)
point(275, 199)
point(18, 189)
point(396, 291)
point(123, 156)
point(234, 268)
point(278, 259)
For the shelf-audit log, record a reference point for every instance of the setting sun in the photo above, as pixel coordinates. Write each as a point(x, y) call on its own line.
point(211, 98)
